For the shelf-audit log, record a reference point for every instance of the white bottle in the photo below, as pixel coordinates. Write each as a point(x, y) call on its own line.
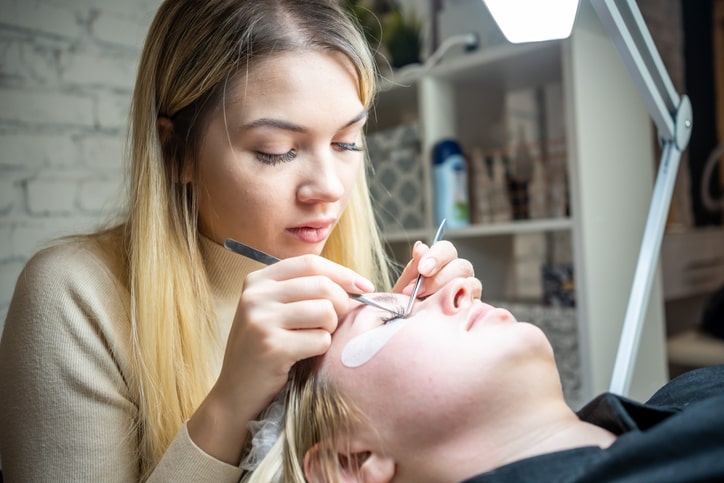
point(451, 184)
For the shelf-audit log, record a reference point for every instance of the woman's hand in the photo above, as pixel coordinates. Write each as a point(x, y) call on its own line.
point(438, 265)
point(286, 312)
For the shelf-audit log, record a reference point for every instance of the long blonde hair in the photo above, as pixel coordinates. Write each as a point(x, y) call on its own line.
point(193, 51)
point(316, 414)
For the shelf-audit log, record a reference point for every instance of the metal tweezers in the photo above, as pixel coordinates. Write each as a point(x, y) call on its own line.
point(438, 236)
point(266, 259)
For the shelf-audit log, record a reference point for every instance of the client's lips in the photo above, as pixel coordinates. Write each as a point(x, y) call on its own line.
point(477, 313)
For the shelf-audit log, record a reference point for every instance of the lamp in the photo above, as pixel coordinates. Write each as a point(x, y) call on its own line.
point(533, 20)
point(670, 112)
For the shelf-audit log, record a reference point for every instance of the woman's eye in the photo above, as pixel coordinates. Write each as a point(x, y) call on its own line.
point(272, 159)
point(348, 146)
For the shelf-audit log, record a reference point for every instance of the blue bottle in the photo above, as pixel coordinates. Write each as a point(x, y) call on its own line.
point(451, 184)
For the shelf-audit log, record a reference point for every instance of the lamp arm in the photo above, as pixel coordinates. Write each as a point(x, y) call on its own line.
point(672, 115)
point(625, 25)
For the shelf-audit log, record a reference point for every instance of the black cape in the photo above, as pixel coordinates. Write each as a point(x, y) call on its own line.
point(677, 436)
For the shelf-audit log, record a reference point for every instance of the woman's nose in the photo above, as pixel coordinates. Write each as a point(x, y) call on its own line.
point(322, 182)
point(457, 294)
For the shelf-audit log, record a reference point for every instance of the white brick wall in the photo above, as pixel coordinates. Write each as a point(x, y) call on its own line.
point(67, 69)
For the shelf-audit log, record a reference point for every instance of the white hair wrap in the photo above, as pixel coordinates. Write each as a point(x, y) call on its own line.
point(265, 431)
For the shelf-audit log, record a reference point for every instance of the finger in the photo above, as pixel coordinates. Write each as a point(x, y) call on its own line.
point(409, 273)
point(439, 255)
point(311, 265)
point(457, 268)
point(427, 261)
point(302, 344)
point(406, 278)
point(318, 289)
point(275, 353)
point(310, 314)
point(418, 250)
point(274, 347)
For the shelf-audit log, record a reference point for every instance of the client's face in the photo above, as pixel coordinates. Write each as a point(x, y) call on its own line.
point(453, 360)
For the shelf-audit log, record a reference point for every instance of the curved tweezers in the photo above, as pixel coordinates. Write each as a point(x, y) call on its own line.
point(266, 259)
point(438, 236)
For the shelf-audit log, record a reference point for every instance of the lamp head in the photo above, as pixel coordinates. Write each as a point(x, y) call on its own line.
point(533, 20)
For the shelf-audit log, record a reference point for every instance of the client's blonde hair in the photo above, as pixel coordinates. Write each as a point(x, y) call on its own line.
point(316, 414)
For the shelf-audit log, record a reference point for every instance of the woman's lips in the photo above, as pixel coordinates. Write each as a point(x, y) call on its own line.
point(312, 233)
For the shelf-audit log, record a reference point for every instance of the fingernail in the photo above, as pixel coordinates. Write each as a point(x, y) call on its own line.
point(417, 244)
point(426, 265)
point(364, 285)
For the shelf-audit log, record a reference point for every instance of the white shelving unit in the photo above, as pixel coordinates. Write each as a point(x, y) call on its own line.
point(610, 169)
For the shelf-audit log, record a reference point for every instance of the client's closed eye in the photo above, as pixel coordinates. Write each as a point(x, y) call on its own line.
point(391, 301)
point(399, 309)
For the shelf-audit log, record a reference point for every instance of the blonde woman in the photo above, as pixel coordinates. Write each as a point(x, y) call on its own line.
point(144, 351)
point(461, 391)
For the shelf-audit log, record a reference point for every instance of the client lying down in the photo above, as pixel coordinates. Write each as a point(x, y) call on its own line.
point(461, 391)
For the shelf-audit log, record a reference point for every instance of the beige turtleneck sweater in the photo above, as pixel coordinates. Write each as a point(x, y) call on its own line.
point(66, 412)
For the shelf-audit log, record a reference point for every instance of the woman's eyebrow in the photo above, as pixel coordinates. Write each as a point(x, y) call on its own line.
point(290, 126)
point(362, 116)
point(275, 123)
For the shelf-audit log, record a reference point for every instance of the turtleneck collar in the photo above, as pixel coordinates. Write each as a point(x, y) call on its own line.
point(226, 271)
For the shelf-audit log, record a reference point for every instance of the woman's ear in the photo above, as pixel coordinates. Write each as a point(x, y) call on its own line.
point(165, 128)
point(359, 467)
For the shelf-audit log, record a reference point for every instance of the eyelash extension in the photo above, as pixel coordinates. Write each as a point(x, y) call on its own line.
point(400, 309)
point(349, 147)
point(273, 159)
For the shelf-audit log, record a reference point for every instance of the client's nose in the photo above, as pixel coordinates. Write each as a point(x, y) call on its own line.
point(458, 294)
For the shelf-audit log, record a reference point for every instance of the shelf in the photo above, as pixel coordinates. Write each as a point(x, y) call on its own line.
point(491, 71)
point(509, 65)
point(493, 229)
point(586, 98)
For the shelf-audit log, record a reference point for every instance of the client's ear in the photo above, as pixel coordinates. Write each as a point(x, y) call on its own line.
point(360, 467)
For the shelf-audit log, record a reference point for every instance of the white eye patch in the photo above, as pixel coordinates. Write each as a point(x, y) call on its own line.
point(364, 346)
